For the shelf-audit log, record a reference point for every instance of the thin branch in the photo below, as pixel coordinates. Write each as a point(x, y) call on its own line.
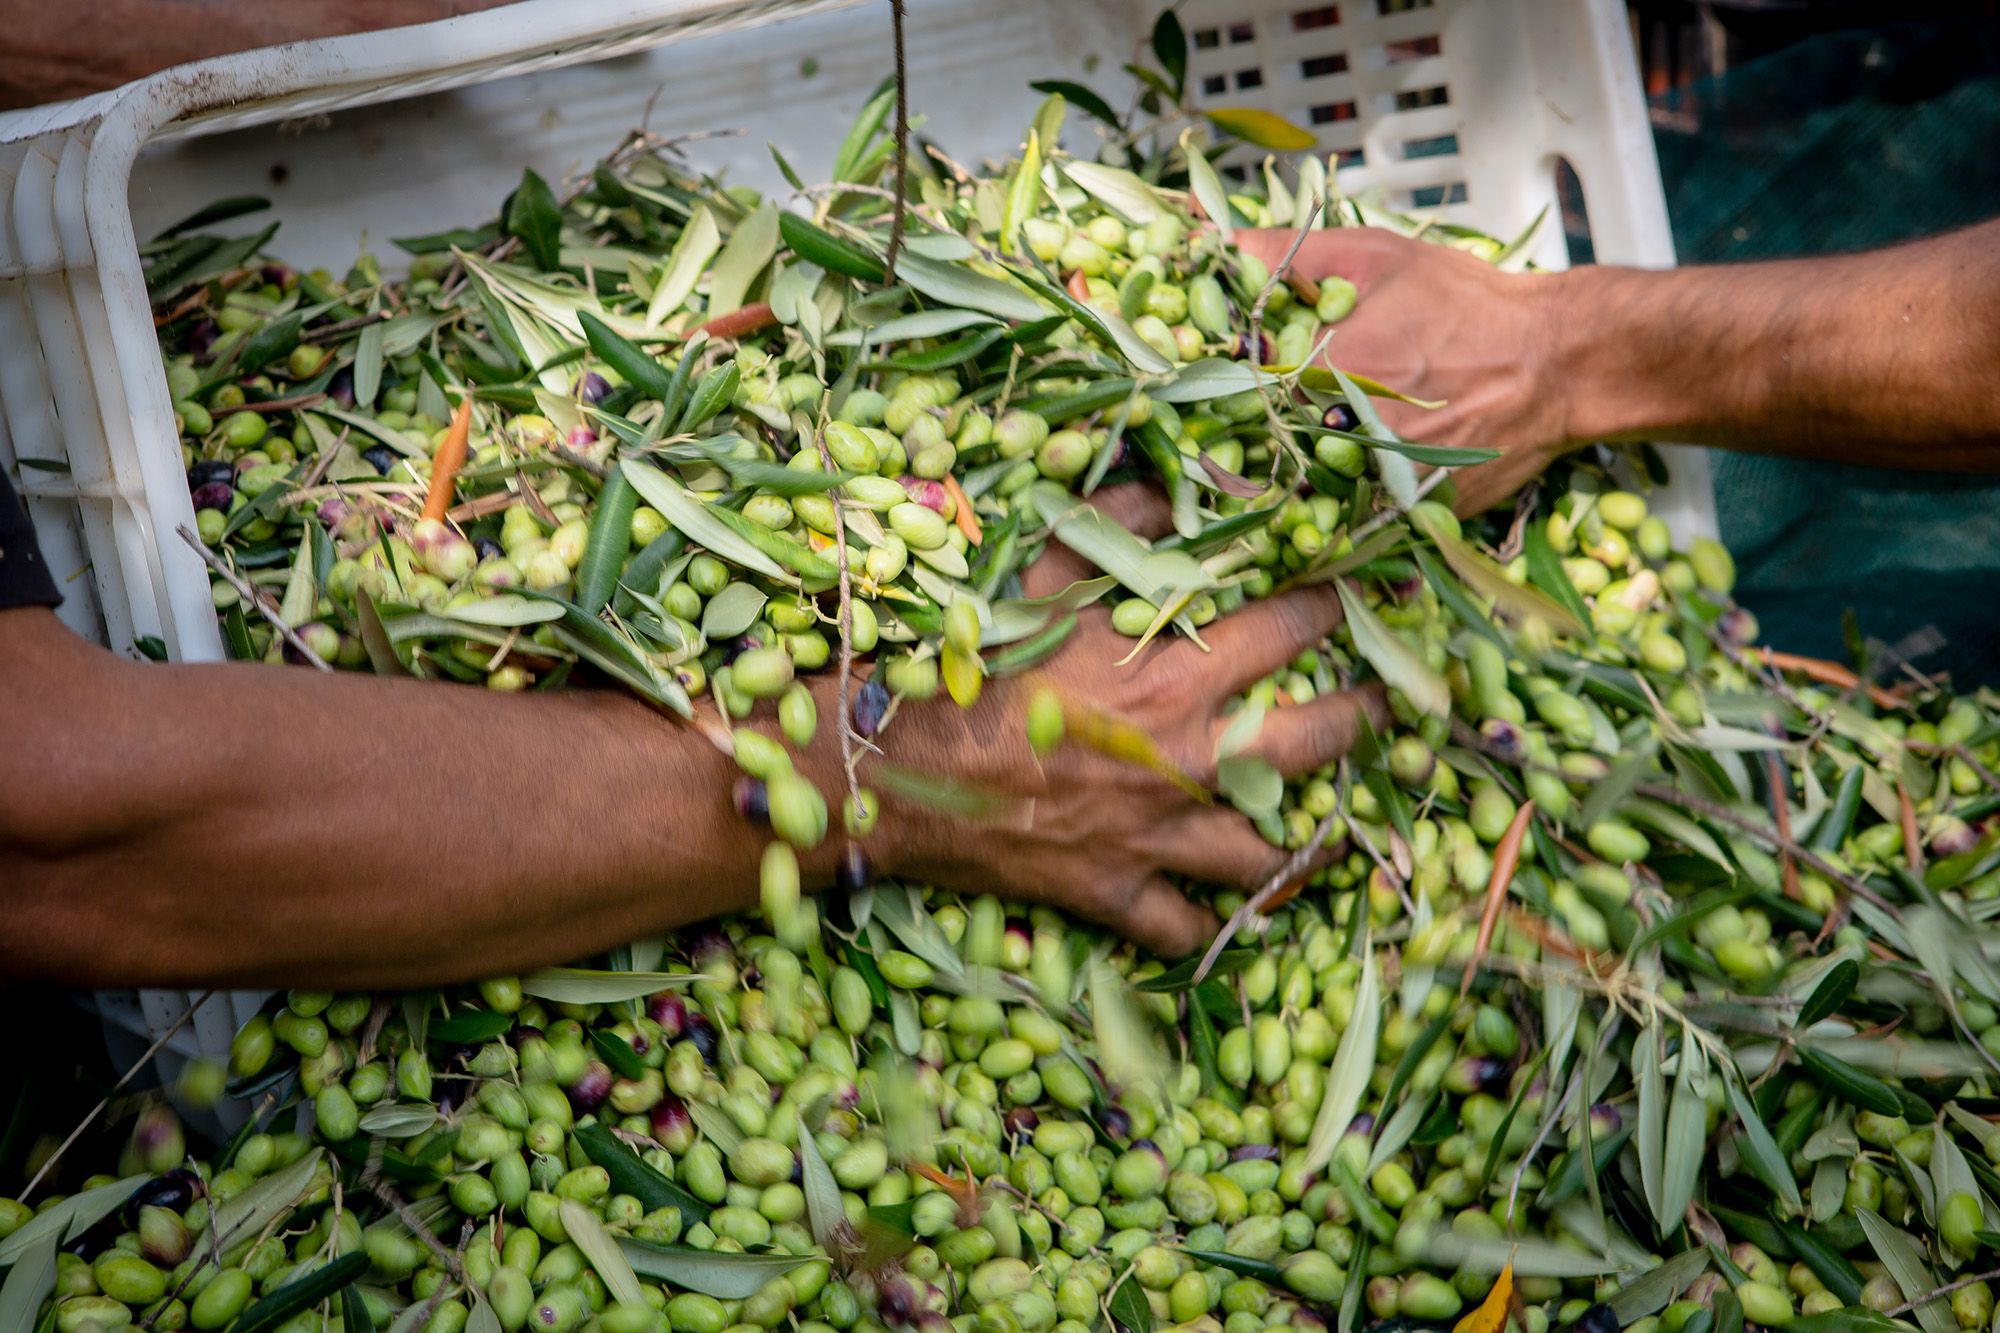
point(902, 148)
point(117, 1087)
point(250, 595)
point(1294, 866)
point(1946, 1290)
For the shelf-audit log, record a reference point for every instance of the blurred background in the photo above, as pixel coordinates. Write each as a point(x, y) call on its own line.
point(1803, 127)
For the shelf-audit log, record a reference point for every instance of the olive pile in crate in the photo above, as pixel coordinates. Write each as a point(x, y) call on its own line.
point(1650, 984)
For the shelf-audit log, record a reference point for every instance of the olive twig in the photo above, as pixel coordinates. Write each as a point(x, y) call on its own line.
point(849, 760)
point(902, 148)
point(1946, 1290)
point(104, 1101)
point(1294, 866)
point(250, 595)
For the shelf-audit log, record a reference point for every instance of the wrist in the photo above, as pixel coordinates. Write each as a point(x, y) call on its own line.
point(1611, 354)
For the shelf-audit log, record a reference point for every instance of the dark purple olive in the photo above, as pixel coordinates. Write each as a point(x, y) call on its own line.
point(1117, 1122)
point(704, 1036)
point(1020, 1120)
point(1736, 626)
point(276, 274)
point(853, 873)
point(1254, 1152)
point(1605, 1120)
point(1503, 739)
point(202, 336)
point(798, 1167)
point(381, 458)
point(1243, 348)
point(341, 387)
point(214, 495)
point(753, 799)
point(1362, 1124)
point(670, 1011)
point(590, 1090)
point(176, 1190)
point(592, 387)
point(896, 1302)
point(871, 705)
point(486, 548)
point(210, 470)
point(1407, 590)
point(1599, 1318)
point(1339, 417)
point(1123, 454)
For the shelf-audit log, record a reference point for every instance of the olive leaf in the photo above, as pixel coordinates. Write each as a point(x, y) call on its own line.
point(631, 1174)
point(1654, 1291)
point(1080, 97)
point(1210, 377)
point(586, 1231)
point(1905, 1261)
point(299, 1293)
point(29, 1282)
point(952, 285)
point(679, 507)
point(824, 1212)
point(1128, 1045)
point(1686, 1133)
point(398, 1121)
point(1652, 1132)
point(1118, 190)
point(699, 241)
point(1353, 1066)
point(1024, 193)
point(535, 219)
point(1207, 186)
point(725, 1276)
point(716, 1126)
point(583, 985)
point(1399, 665)
point(1266, 129)
point(273, 1196)
point(751, 247)
point(732, 611)
point(1760, 1150)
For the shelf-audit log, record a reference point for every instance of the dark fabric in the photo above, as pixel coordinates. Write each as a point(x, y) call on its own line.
point(1848, 141)
point(24, 579)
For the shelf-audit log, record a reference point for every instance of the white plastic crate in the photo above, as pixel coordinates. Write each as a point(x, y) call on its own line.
point(1469, 103)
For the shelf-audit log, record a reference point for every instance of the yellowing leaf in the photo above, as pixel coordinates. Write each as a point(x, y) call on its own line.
point(1266, 129)
point(1491, 1316)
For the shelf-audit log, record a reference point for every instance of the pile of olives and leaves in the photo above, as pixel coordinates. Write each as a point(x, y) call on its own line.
point(1651, 983)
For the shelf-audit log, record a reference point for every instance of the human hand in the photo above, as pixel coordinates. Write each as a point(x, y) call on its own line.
point(1437, 323)
point(1096, 835)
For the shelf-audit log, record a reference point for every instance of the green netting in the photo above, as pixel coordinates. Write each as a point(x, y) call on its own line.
point(1848, 141)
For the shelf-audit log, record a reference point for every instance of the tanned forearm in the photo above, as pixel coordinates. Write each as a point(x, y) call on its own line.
point(242, 825)
point(54, 52)
point(1886, 358)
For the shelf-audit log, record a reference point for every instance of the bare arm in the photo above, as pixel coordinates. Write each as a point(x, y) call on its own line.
point(1885, 358)
point(54, 52)
point(211, 825)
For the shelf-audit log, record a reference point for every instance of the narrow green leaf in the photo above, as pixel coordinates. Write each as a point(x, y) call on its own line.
point(1545, 571)
point(582, 985)
point(1399, 664)
point(301, 1293)
point(725, 1276)
point(1353, 1065)
point(1078, 96)
point(630, 1174)
point(535, 218)
point(1832, 991)
point(1656, 1290)
point(751, 248)
point(699, 241)
point(1761, 1152)
point(1266, 129)
point(587, 1233)
point(1170, 47)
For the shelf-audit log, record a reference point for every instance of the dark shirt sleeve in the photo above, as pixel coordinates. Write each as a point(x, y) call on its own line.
point(24, 579)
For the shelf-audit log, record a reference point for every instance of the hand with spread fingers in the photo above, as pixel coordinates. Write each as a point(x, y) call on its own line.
point(1098, 835)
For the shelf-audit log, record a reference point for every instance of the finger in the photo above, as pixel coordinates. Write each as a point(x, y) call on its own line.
point(1263, 636)
point(1220, 846)
point(1307, 736)
point(1359, 254)
point(1162, 920)
point(1139, 508)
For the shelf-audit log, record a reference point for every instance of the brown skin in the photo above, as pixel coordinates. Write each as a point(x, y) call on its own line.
point(56, 52)
point(244, 825)
point(1882, 358)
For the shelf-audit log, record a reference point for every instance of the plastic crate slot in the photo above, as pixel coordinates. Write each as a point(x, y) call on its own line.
point(1386, 7)
point(1249, 78)
point(1214, 85)
point(1414, 98)
point(1436, 196)
point(1575, 213)
point(1436, 145)
point(1240, 33)
point(1326, 16)
point(1349, 157)
point(1328, 112)
point(1207, 39)
point(1318, 67)
point(1413, 48)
